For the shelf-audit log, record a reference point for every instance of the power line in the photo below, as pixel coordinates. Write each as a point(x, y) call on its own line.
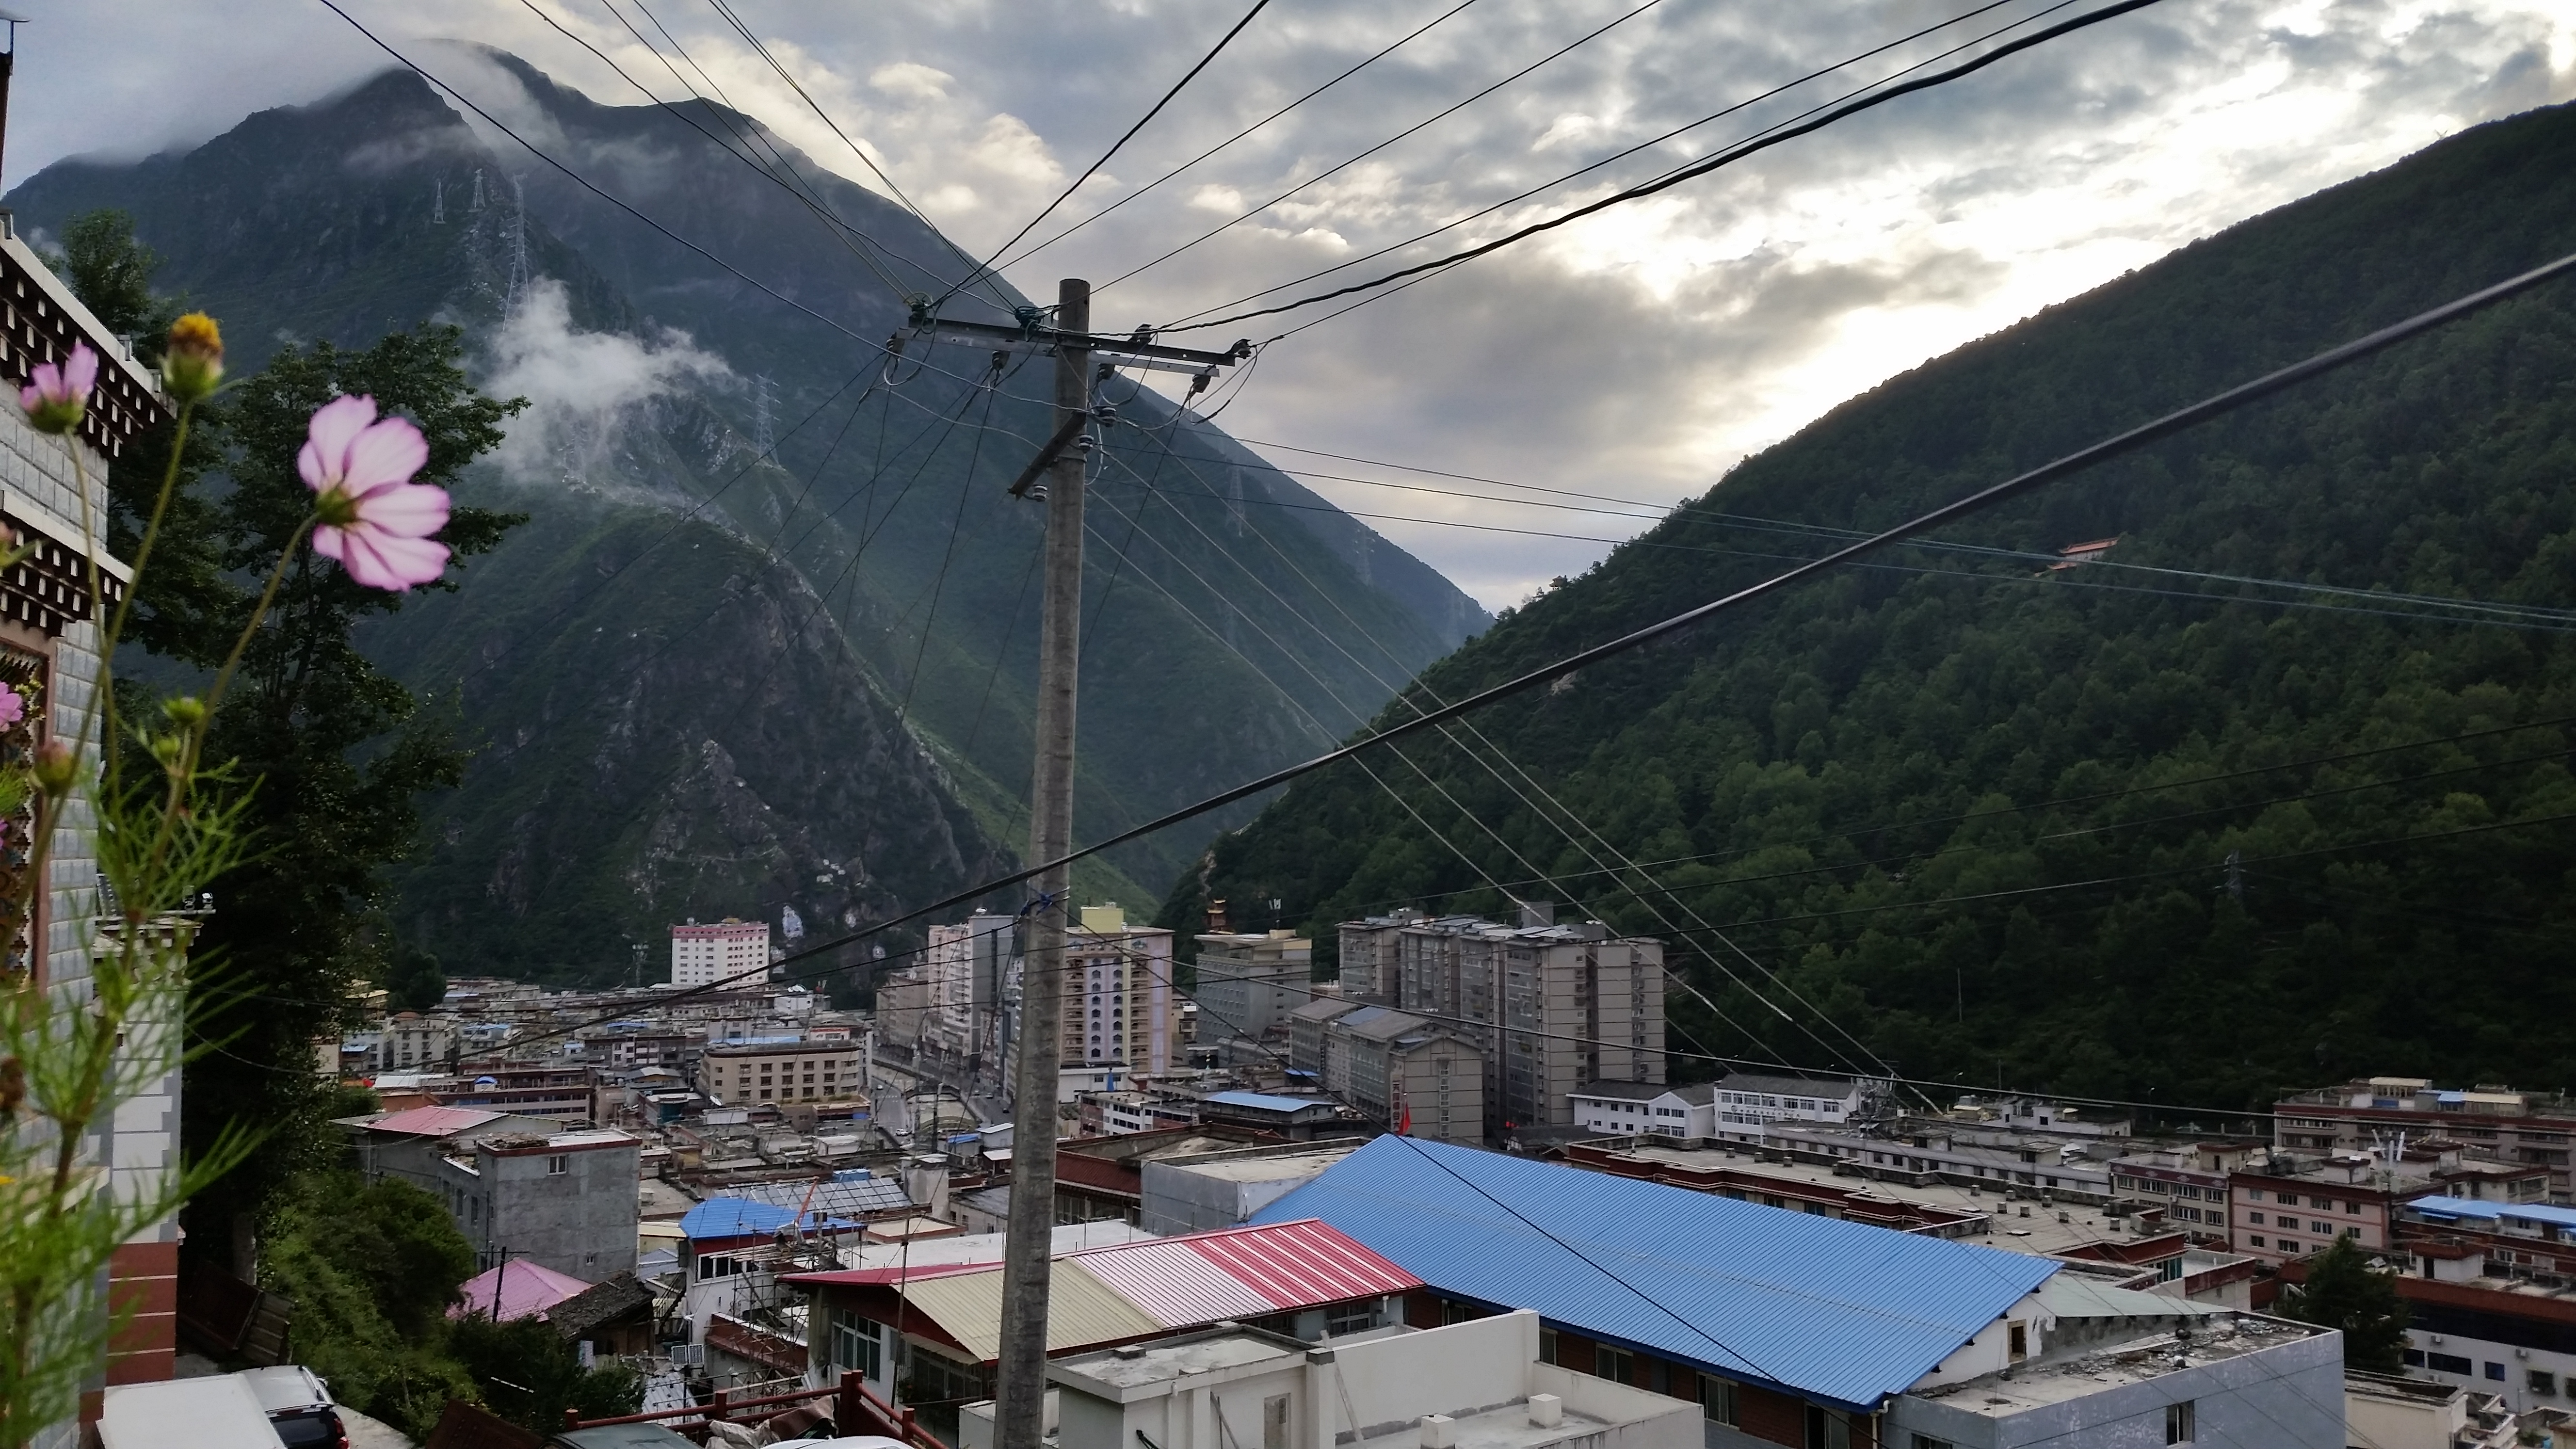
point(2065, 466)
point(1351, 161)
point(584, 182)
point(1687, 173)
point(1246, 131)
point(1087, 172)
point(1651, 141)
point(974, 274)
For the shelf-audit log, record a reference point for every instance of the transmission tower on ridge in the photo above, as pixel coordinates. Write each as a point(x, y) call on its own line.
point(438, 201)
point(763, 439)
point(477, 203)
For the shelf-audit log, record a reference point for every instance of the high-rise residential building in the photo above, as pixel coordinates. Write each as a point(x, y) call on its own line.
point(1119, 1007)
point(967, 966)
point(728, 950)
point(1249, 982)
point(1551, 1007)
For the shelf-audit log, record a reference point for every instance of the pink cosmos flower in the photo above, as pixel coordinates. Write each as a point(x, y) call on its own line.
point(56, 397)
point(13, 706)
point(374, 519)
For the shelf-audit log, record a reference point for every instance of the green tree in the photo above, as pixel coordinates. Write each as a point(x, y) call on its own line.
point(2344, 1291)
point(529, 1375)
point(111, 273)
point(371, 1269)
point(333, 752)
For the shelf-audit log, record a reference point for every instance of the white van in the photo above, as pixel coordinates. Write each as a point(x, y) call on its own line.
point(209, 1413)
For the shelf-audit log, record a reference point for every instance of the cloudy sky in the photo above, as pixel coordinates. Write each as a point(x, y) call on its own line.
point(1635, 356)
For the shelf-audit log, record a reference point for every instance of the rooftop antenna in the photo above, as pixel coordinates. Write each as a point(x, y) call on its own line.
point(8, 65)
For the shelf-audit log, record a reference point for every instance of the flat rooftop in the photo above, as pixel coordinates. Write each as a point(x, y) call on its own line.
point(2039, 1233)
point(2035, 1385)
point(1271, 1166)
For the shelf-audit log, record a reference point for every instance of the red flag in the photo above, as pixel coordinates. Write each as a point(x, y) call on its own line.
point(1405, 1127)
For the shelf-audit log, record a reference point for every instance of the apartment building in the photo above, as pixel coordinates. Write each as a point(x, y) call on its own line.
point(965, 969)
point(1422, 1078)
point(1552, 1008)
point(413, 1042)
point(1249, 983)
point(2287, 1206)
point(1119, 1007)
point(2491, 1293)
point(2188, 1184)
point(728, 950)
point(525, 1186)
point(1688, 1111)
point(2490, 1120)
point(745, 1073)
point(1747, 1102)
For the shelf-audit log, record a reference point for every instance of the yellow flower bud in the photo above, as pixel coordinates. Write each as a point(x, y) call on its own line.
point(194, 363)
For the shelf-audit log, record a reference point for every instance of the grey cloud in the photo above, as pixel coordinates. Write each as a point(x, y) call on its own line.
point(1639, 353)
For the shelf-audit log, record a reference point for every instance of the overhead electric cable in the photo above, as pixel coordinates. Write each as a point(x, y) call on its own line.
point(1348, 162)
point(1089, 171)
point(974, 274)
point(1692, 172)
point(2117, 445)
point(1407, 37)
point(584, 182)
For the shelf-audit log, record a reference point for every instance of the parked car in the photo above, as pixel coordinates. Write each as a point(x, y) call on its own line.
point(217, 1412)
point(299, 1406)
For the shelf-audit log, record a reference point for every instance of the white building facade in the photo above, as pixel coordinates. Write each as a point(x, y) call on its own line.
point(727, 950)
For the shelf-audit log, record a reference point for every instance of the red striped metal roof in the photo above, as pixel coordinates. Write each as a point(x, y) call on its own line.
point(1244, 1272)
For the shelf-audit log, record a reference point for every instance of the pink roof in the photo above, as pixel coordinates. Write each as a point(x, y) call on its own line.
point(1278, 1268)
point(433, 1121)
point(515, 1290)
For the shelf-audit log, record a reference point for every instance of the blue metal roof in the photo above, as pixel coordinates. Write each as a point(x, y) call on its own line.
point(1266, 1101)
point(2453, 1208)
point(738, 1217)
point(1836, 1312)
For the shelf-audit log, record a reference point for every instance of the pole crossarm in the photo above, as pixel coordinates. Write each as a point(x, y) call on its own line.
point(1132, 352)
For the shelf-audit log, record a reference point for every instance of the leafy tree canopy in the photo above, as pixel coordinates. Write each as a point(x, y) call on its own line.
point(2344, 1291)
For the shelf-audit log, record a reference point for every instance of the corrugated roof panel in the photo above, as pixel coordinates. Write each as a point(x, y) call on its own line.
point(1176, 1286)
point(1302, 1264)
point(433, 1121)
point(2469, 1207)
point(1842, 1313)
point(1082, 1312)
point(1266, 1101)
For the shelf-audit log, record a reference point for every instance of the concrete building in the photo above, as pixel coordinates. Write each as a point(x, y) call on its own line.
point(743, 1073)
point(49, 635)
point(2492, 1287)
point(1291, 1119)
point(2525, 1128)
point(2187, 1185)
point(1794, 1329)
point(939, 1329)
point(515, 1186)
point(1248, 984)
point(2286, 1206)
point(1225, 1188)
point(1688, 1112)
point(1749, 1101)
point(729, 950)
point(413, 1042)
point(1119, 1006)
point(967, 967)
point(1399, 1071)
point(1479, 1382)
point(1368, 955)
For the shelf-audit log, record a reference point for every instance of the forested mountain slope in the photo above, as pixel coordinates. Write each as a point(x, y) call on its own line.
point(2137, 828)
point(710, 680)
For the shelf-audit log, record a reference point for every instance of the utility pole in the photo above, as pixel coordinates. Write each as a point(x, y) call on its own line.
point(1020, 1405)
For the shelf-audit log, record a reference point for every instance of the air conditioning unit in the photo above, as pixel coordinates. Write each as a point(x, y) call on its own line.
point(689, 1355)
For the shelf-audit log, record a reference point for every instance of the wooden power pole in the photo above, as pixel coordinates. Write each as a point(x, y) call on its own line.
point(1020, 1404)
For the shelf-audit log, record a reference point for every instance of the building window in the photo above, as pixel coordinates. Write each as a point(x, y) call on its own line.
point(1926, 1441)
point(559, 1164)
point(2019, 1335)
point(857, 1344)
point(2448, 1363)
point(1717, 1399)
point(1828, 1428)
point(2255, 1218)
point(2495, 1371)
point(1615, 1364)
point(2256, 1240)
point(2542, 1381)
point(2181, 1426)
point(1546, 1345)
